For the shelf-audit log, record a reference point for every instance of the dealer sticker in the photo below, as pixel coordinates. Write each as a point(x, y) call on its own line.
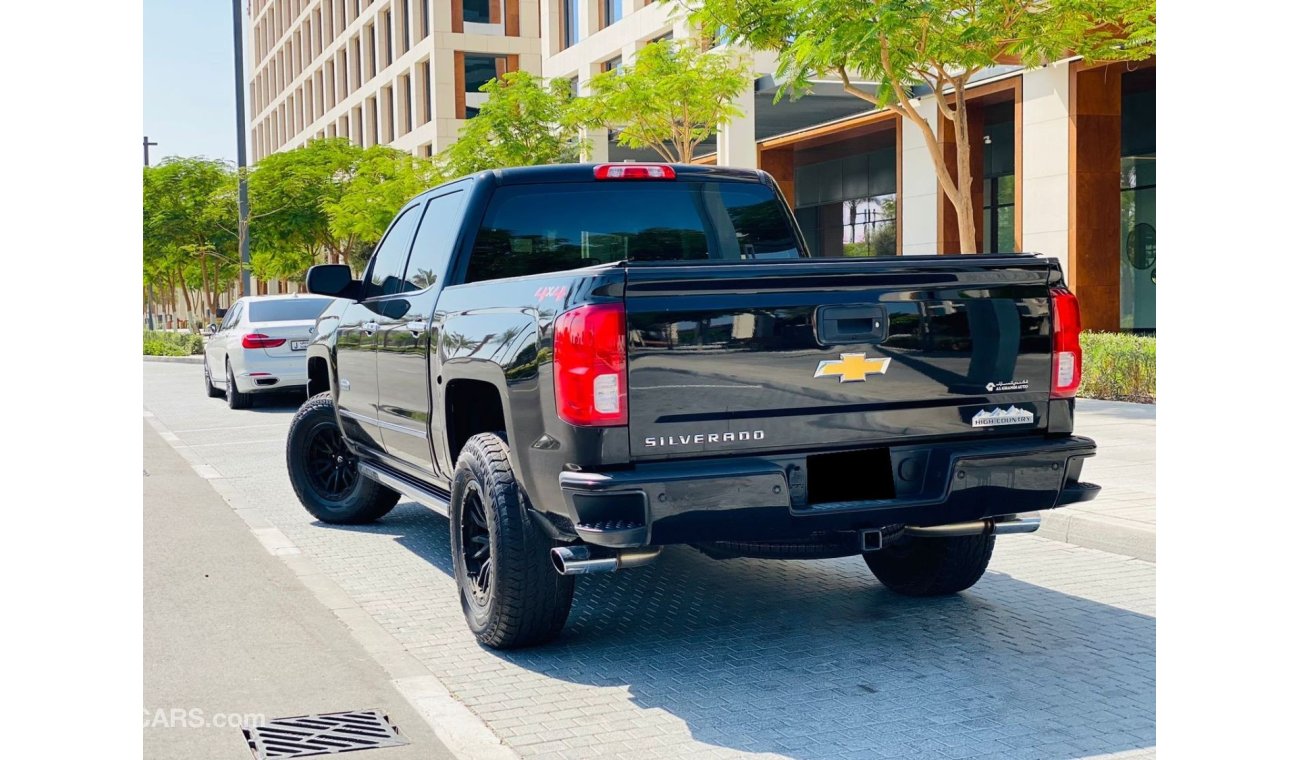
point(1012, 415)
point(1009, 385)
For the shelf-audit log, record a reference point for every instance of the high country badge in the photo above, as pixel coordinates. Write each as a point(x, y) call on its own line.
point(851, 368)
point(1012, 415)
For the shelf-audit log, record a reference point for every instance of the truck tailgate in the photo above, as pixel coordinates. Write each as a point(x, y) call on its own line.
point(764, 356)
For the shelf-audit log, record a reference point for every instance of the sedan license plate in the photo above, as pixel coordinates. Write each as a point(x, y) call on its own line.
point(298, 345)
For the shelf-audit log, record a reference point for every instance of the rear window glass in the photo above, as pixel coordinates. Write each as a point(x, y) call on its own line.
point(294, 310)
point(533, 229)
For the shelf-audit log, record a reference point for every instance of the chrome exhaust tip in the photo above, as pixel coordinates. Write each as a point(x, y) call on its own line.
point(1026, 523)
point(578, 560)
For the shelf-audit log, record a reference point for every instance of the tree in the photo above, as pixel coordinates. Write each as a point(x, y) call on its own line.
point(288, 194)
point(523, 123)
point(380, 182)
point(187, 236)
point(940, 43)
point(670, 99)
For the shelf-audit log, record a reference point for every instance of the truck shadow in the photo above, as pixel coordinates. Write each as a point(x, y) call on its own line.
point(817, 659)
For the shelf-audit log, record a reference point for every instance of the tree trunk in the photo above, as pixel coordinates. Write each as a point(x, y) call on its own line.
point(964, 202)
point(189, 306)
point(209, 290)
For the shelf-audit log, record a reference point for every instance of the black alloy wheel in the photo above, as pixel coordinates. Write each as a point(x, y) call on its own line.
point(326, 474)
point(476, 546)
point(331, 467)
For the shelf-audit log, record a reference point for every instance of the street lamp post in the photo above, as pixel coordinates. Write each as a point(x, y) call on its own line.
point(241, 149)
point(146, 163)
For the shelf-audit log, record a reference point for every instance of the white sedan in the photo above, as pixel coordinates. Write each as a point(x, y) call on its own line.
point(261, 346)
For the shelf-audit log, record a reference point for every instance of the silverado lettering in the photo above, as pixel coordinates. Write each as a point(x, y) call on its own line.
point(685, 440)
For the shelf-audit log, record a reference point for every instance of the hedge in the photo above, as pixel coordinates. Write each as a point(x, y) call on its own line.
point(1119, 367)
point(163, 343)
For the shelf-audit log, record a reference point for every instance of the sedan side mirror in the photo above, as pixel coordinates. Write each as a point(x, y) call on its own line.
point(332, 280)
point(212, 329)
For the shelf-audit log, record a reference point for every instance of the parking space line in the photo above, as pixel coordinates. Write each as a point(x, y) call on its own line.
point(228, 427)
point(224, 443)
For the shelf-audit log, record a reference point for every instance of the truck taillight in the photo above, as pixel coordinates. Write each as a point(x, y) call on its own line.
point(635, 171)
point(591, 365)
point(258, 340)
point(1067, 354)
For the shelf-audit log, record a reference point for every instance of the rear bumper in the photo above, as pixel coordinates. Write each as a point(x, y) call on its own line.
point(271, 373)
point(757, 498)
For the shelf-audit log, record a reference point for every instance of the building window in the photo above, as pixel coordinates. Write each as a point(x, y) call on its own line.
point(477, 11)
point(405, 37)
point(372, 42)
point(613, 64)
point(386, 37)
point(478, 71)
point(847, 206)
point(611, 11)
point(569, 28)
point(424, 81)
point(999, 179)
point(404, 108)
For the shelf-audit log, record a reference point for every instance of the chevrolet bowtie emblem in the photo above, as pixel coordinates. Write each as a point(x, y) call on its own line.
point(851, 368)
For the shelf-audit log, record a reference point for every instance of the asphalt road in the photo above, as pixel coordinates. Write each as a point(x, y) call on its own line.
point(1051, 655)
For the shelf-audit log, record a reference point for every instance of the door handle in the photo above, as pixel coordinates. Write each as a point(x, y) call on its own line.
point(417, 327)
point(369, 327)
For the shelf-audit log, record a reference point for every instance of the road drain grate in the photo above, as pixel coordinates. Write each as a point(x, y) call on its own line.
point(325, 734)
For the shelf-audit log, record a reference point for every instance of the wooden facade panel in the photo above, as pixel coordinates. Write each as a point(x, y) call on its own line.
point(512, 18)
point(1095, 101)
point(459, 66)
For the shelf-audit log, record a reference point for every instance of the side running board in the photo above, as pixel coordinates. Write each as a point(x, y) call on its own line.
point(437, 500)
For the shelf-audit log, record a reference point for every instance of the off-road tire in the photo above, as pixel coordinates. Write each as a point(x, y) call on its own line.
point(213, 391)
point(234, 398)
point(932, 566)
point(523, 601)
point(362, 501)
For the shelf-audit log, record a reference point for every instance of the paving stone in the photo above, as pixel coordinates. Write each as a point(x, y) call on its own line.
point(700, 658)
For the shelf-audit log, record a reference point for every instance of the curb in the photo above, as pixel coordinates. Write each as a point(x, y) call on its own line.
point(195, 359)
point(1107, 534)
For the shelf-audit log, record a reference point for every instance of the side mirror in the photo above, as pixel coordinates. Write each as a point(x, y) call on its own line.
point(212, 329)
point(331, 280)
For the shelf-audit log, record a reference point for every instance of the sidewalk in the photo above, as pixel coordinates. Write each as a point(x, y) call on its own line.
point(1122, 519)
point(230, 634)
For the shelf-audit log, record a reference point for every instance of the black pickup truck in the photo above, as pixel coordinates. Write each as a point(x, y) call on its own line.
point(581, 364)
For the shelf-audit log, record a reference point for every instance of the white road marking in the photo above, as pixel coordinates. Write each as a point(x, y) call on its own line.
point(228, 443)
point(228, 427)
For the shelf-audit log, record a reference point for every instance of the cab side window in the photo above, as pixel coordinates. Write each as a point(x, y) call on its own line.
point(434, 241)
point(389, 260)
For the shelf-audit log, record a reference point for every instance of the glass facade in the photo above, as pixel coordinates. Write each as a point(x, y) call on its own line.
point(848, 206)
point(1137, 203)
point(999, 179)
